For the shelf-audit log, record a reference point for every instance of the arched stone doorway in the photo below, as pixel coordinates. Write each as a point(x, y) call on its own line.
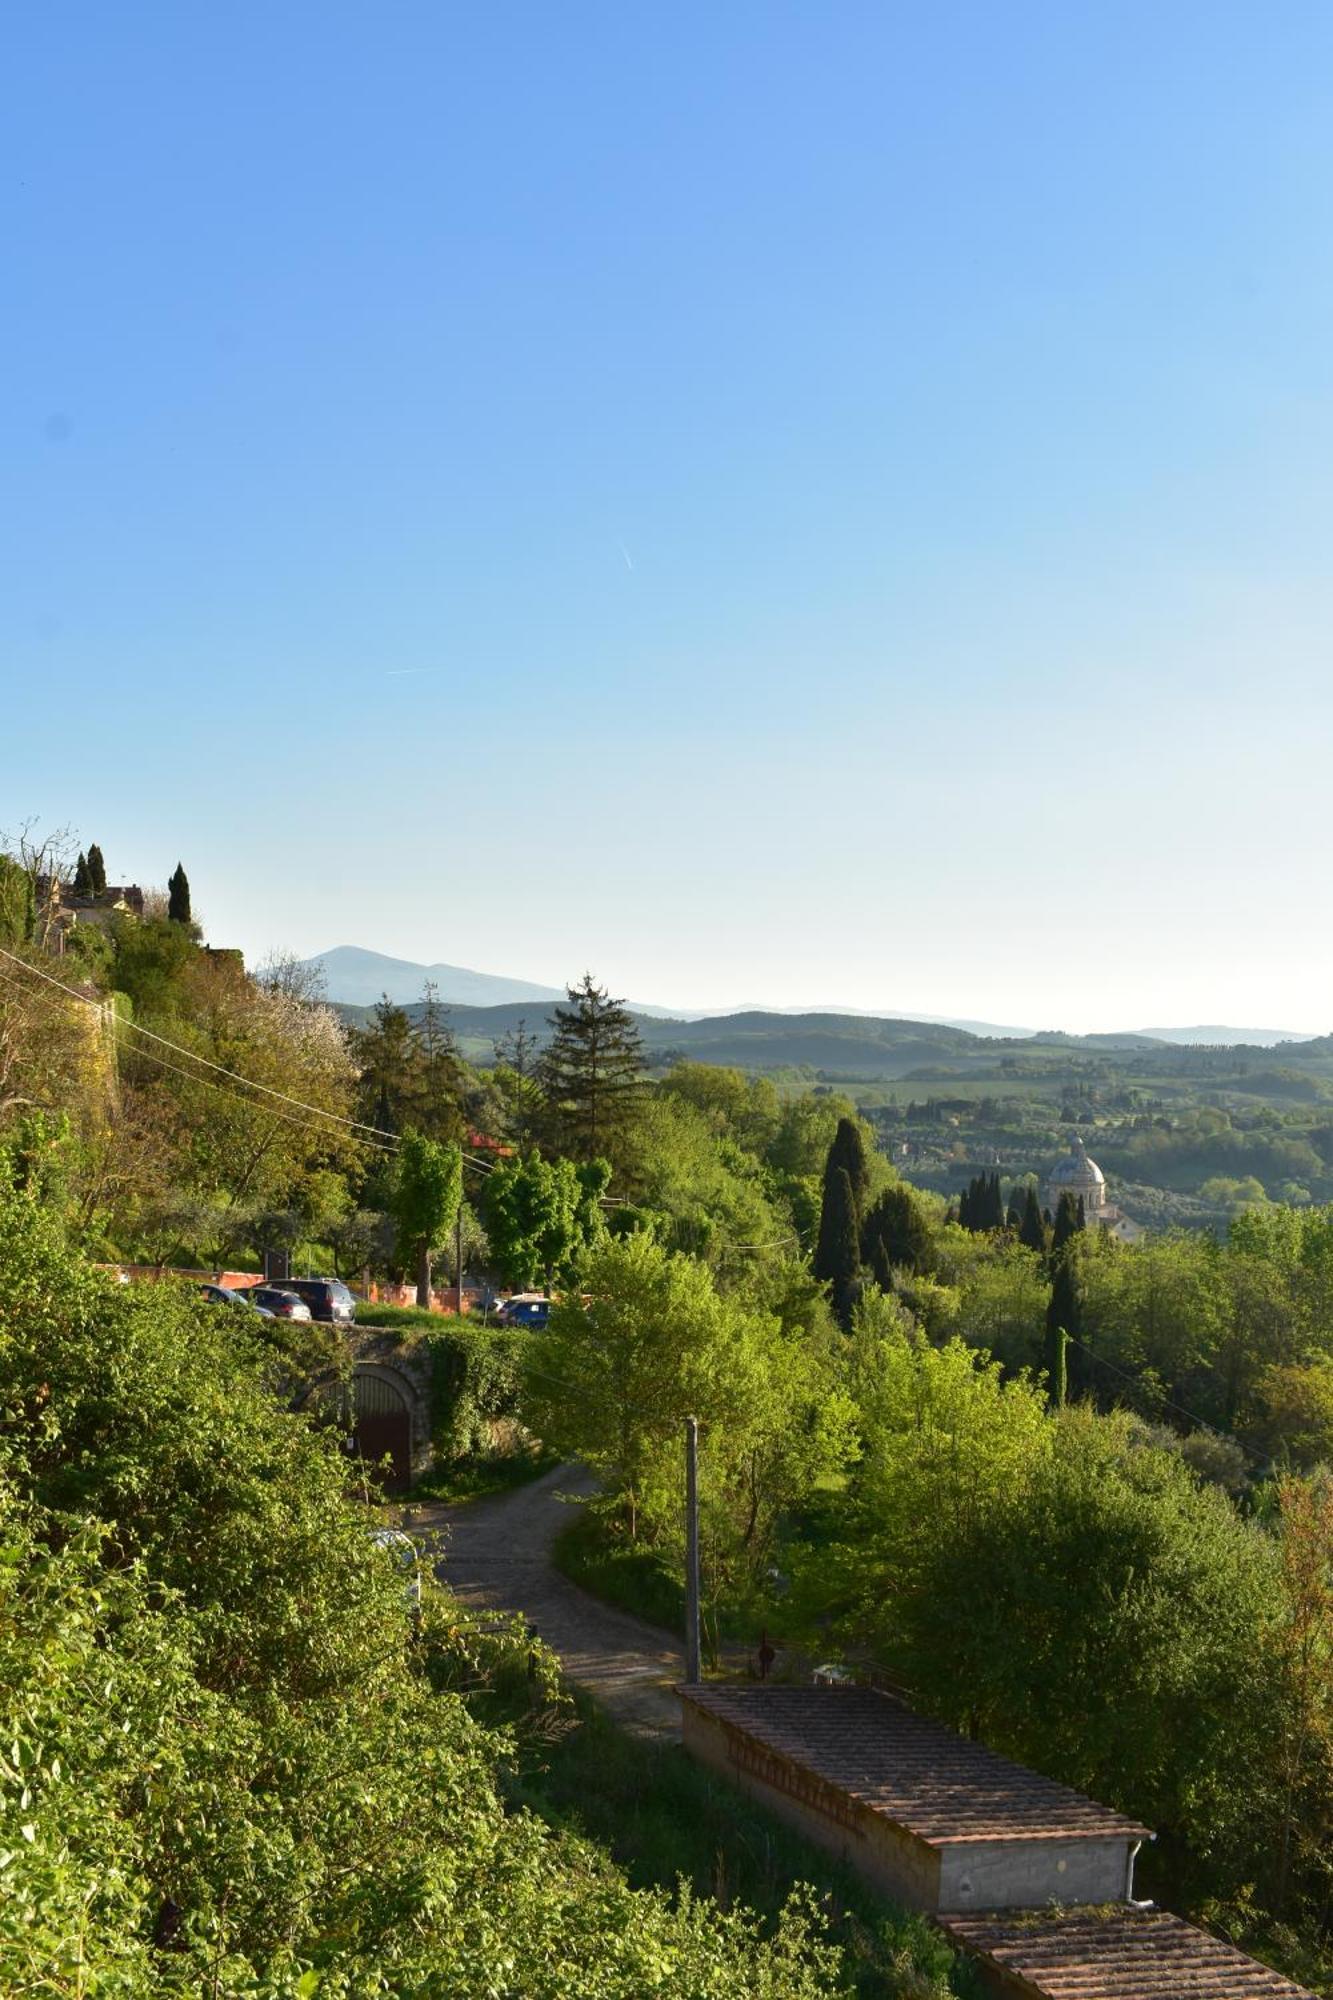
point(382, 1426)
point(374, 1412)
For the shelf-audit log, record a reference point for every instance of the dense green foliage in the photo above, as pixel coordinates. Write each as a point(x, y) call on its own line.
point(542, 1215)
point(1072, 1494)
point(234, 1762)
point(424, 1194)
point(665, 1818)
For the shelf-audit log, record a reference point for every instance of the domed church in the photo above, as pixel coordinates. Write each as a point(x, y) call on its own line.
point(1078, 1176)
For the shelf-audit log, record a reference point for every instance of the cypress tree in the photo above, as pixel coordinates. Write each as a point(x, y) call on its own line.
point(895, 1235)
point(837, 1252)
point(1031, 1230)
point(178, 896)
point(1013, 1217)
point(848, 1151)
point(965, 1207)
point(1057, 1366)
point(83, 881)
point(97, 870)
point(1068, 1222)
point(995, 1204)
point(592, 1074)
point(1064, 1314)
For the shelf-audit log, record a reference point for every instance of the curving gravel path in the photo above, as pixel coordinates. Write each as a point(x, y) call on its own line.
point(497, 1556)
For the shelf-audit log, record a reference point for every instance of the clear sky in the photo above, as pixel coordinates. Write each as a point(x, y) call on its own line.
point(791, 503)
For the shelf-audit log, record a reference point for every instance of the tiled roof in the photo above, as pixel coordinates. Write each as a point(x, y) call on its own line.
point(1118, 1954)
point(917, 1773)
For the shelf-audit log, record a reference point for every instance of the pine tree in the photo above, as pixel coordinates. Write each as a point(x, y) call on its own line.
point(592, 1074)
point(97, 870)
point(439, 1071)
point(837, 1252)
point(178, 896)
point(1031, 1229)
point(388, 1058)
point(83, 881)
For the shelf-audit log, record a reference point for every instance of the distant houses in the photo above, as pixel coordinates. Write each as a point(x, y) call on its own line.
point(68, 911)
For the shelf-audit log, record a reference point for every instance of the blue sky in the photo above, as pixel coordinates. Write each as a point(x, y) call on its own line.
point(805, 504)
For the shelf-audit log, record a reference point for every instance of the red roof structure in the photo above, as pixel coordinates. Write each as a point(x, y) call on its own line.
point(916, 1772)
point(1126, 1953)
point(937, 1821)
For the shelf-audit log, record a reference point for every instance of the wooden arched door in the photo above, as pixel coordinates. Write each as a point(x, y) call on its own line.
point(382, 1428)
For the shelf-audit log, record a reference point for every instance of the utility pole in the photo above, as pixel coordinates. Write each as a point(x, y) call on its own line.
point(693, 1661)
point(458, 1253)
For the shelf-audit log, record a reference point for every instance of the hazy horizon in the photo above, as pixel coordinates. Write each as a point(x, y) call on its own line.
point(777, 503)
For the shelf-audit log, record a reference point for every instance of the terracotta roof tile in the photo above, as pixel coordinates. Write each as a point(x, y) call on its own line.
point(916, 1772)
point(1120, 1954)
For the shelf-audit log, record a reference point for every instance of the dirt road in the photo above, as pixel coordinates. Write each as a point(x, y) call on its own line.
point(497, 1556)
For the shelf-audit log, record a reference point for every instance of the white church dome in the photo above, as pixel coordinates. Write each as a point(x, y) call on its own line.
point(1077, 1171)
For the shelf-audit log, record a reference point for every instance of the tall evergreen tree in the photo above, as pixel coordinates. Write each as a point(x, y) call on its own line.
point(837, 1251)
point(848, 1151)
point(1068, 1222)
point(1064, 1317)
point(895, 1235)
point(516, 1078)
point(439, 1079)
point(1032, 1230)
point(83, 881)
point(97, 870)
point(592, 1074)
point(178, 896)
point(388, 1059)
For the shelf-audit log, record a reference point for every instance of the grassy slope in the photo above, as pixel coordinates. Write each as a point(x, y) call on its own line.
point(664, 1817)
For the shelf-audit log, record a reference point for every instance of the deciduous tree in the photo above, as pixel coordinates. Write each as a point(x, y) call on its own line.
point(427, 1188)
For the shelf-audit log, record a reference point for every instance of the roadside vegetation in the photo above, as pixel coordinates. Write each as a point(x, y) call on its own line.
point(1069, 1495)
point(234, 1760)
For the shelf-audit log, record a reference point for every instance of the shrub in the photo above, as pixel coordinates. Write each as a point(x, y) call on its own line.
point(233, 1762)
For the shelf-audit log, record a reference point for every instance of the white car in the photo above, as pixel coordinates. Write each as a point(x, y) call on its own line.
point(404, 1552)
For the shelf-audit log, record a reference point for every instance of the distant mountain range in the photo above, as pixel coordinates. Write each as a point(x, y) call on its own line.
point(356, 978)
point(1225, 1038)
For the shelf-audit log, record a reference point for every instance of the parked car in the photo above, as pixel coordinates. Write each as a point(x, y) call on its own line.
point(225, 1295)
point(282, 1303)
point(530, 1309)
point(327, 1298)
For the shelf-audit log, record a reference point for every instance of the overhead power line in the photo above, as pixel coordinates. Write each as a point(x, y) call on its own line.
point(177, 1048)
point(192, 1076)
